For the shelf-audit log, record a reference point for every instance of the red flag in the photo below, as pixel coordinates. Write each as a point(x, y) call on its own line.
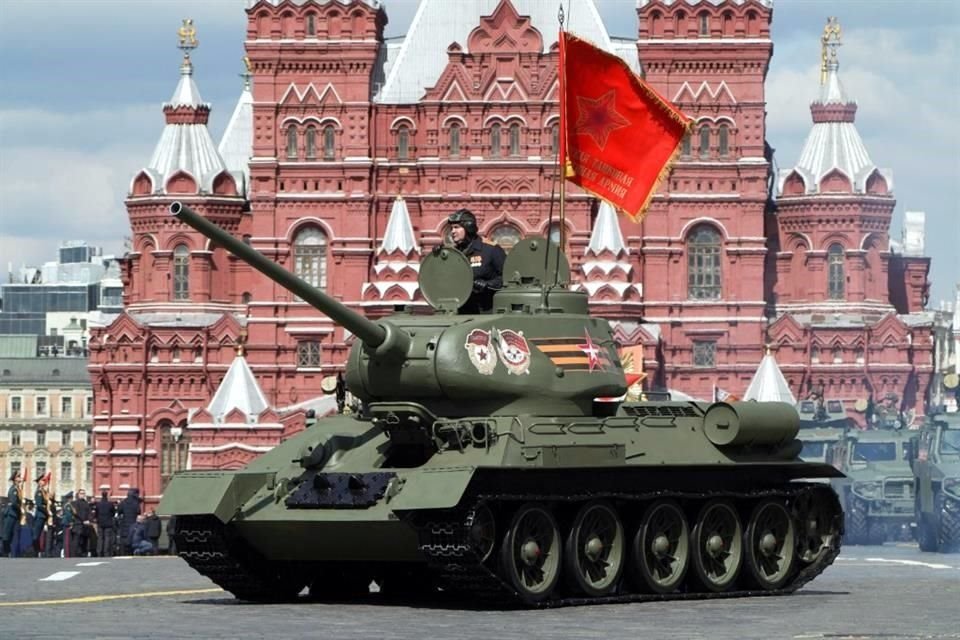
point(618, 135)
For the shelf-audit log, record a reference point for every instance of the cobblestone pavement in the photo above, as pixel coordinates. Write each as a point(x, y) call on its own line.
point(887, 592)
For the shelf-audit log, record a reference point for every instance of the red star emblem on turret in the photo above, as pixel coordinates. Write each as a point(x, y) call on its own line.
point(592, 352)
point(598, 118)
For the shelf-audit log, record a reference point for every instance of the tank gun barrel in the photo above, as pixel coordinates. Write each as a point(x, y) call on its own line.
point(372, 334)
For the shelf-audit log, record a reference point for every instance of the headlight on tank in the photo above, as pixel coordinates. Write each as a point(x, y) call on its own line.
point(868, 490)
point(951, 486)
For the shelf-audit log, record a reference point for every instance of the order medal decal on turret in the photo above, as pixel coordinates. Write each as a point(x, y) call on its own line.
point(514, 350)
point(481, 352)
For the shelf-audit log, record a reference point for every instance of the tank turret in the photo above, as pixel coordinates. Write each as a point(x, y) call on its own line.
point(506, 363)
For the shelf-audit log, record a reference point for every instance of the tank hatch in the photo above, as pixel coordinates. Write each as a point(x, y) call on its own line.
point(446, 279)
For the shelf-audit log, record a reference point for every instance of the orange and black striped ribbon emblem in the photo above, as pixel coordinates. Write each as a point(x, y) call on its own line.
point(575, 354)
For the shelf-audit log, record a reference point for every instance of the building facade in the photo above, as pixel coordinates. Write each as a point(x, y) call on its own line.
point(46, 408)
point(346, 152)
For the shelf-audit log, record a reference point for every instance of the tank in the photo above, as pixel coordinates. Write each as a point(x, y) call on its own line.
point(480, 464)
point(936, 471)
point(877, 492)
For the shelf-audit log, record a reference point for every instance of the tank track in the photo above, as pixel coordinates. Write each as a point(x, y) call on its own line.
point(203, 542)
point(456, 567)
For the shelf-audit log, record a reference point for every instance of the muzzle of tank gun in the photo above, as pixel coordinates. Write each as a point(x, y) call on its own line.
point(383, 340)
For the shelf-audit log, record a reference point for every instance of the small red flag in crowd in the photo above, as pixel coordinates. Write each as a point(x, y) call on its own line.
point(618, 136)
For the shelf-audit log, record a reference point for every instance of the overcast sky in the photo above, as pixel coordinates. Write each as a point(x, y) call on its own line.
point(83, 80)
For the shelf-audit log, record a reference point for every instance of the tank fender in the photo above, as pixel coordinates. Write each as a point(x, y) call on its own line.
point(440, 488)
point(217, 493)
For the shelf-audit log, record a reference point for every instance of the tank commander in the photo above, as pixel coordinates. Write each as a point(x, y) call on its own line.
point(485, 259)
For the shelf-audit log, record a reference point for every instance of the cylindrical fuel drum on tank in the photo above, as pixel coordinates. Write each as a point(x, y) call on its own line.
point(742, 424)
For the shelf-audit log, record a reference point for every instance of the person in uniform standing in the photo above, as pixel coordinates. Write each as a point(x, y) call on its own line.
point(43, 516)
point(79, 530)
point(106, 514)
point(10, 521)
point(486, 260)
point(66, 522)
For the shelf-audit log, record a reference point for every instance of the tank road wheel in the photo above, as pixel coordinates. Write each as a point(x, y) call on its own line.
point(594, 549)
point(531, 553)
point(717, 545)
point(770, 543)
point(661, 547)
point(483, 532)
point(817, 529)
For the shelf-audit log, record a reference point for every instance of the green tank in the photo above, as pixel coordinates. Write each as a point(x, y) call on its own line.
point(482, 464)
point(877, 490)
point(936, 472)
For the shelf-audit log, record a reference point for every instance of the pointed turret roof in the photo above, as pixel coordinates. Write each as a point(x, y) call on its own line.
point(834, 144)
point(606, 234)
point(399, 234)
point(185, 145)
point(768, 384)
point(419, 63)
point(239, 390)
point(236, 145)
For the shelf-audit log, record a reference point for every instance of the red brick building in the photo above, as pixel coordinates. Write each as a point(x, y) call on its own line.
point(347, 151)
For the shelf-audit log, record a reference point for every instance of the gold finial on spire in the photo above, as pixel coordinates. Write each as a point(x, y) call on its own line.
point(187, 34)
point(829, 42)
point(248, 71)
point(242, 343)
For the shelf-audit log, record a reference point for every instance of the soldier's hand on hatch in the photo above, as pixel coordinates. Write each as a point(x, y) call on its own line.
point(479, 285)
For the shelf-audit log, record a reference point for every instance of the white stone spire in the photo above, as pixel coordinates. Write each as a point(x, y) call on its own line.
point(606, 234)
point(833, 144)
point(399, 234)
point(768, 383)
point(185, 145)
point(239, 390)
point(236, 145)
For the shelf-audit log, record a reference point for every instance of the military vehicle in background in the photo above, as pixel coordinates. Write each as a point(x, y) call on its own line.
point(877, 492)
point(936, 471)
point(822, 424)
point(482, 464)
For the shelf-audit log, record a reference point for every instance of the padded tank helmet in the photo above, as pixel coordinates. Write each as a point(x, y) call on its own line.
point(466, 219)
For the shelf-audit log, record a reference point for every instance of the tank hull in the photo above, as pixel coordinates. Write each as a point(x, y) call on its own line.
point(290, 520)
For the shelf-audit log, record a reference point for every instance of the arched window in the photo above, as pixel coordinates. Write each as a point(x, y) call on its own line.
point(403, 142)
point(723, 134)
point(181, 272)
point(291, 142)
point(703, 263)
point(554, 140)
point(310, 257)
point(174, 445)
point(515, 139)
point(505, 235)
point(704, 142)
point(495, 141)
point(311, 24)
point(685, 146)
point(329, 139)
point(704, 24)
point(553, 232)
point(454, 140)
point(311, 143)
point(836, 279)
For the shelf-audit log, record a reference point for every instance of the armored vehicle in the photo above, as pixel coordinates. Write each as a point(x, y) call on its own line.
point(481, 464)
point(818, 444)
point(936, 472)
point(819, 413)
point(877, 492)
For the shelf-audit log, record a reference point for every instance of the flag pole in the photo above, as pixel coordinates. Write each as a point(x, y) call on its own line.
point(562, 155)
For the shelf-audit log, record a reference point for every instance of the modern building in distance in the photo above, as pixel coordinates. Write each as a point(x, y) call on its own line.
point(347, 151)
point(57, 300)
point(45, 416)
